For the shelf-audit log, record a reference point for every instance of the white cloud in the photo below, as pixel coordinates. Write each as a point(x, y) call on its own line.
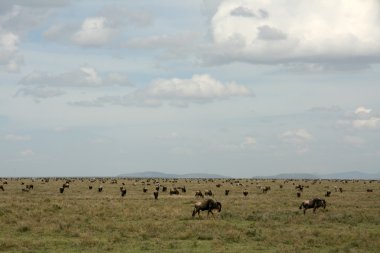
point(260, 31)
point(372, 123)
point(297, 136)
point(175, 91)
point(354, 140)
point(95, 31)
point(27, 152)
point(15, 137)
point(198, 87)
point(10, 59)
point(248, 141)
point(362, 110)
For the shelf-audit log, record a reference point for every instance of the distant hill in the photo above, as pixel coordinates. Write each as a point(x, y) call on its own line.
point(341, 175)
point(155, 174)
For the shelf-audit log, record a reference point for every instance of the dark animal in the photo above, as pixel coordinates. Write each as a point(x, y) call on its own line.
point(340, 189)
point(66, 185)
point(368, 190)
point(265, 189)
point(218, 185)
point(198, 194)
point(208, 193)
point(155, 194)
point(226, 192)
point(164, 188)
point(207, 204)
point(299, 187)
point(90, 187)
point(1, 187)
point(100, 188)
point(29, 186)
point(123, 191)
point(61, 189)
point(174, 191)
point(245, 193)
point(145, 189)
point(313, 203)
point(328, 193)
point(298, 194)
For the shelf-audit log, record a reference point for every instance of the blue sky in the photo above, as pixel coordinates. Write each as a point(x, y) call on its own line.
point(240, 88)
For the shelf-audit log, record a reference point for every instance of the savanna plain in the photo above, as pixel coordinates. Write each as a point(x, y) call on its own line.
point(85, 220)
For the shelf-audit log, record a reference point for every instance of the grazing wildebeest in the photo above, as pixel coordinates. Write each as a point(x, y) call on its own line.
point(174, 191)
point(265, 189)
point(218, 185)
point(29, 186)
point(207, 204)
point(328, 193)
point(123, 191)
point(299, 187)
point(245, 193)
point(198, 194)
point(226, 192)
point(208, 193)
point(369, 190)
point(155, 194)
point(1, 187)
point(298, 194)
point(313, 203)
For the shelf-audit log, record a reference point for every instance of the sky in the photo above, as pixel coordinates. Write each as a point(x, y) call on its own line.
point(240, 88)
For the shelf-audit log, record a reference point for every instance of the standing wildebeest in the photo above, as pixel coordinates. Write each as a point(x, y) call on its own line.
point(100, 188)
point(145, 189)
point(2, 187)
point(226, 192)
point(328, 193)
point(207, 204)
point(174, 191)
point(208, 193)
point(340, 189)
point(245, 193)
point(123, 191)
point(155, 194)
point(298, 194)
point(313, 203)
point(368, 190)
point(61, 189)
point(164, 188)
point(90, 187)
point(198, 194)
point(265, 189)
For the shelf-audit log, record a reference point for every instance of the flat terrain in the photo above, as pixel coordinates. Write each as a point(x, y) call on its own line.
point(83, 220)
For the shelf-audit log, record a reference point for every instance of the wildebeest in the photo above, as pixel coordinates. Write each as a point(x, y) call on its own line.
point(340, 189)
point(313, 203)
point(66, 185)
point(145, 189)
point(61, 189)
point(100, 188)
point(299, 187)
point(226, 192)
point(123, 191)
point(328, 193)
point(1, 187)
point(265, 189)
point(174, 191)
point(155, 194)
point(298, 194)
point(164, 188)
point(29, 186)
point(207, 204)
point(245, 193)
point(208, 193)
point(198, 194)
point(90, 187)
point(369, 190)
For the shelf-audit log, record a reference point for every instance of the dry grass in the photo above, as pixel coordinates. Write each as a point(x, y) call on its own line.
point(83, 220)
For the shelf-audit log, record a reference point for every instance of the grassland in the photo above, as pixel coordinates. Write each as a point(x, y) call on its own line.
point(83, 220)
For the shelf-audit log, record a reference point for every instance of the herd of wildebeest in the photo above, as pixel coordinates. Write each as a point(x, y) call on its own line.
point(204, 199)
